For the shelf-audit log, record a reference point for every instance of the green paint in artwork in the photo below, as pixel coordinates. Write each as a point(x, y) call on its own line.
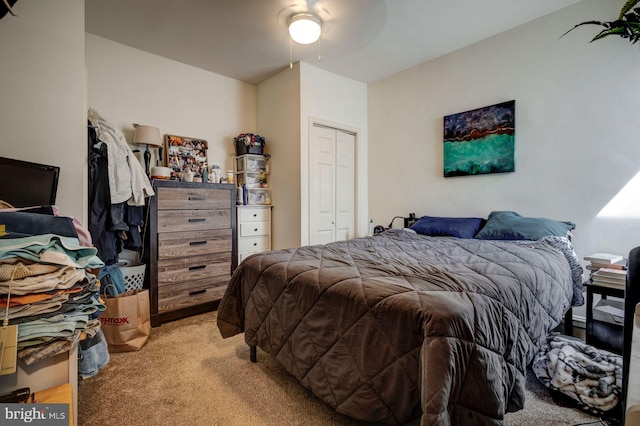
point(491, 154)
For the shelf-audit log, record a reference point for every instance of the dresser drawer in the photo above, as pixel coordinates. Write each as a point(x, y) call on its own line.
point(253, 229)
point(191, 293)
point(254, 214)
point(253, 244)
point(187, 269)
point(193, 220)
point(242, 256)
point(186, 198)
point(181, 244)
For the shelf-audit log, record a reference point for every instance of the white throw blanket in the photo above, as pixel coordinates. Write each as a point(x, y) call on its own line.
point(590, 376)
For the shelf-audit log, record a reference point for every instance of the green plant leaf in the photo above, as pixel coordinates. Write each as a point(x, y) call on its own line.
point(612, 31)
point(626, 26)
point(602, 24)
point(633, 16)
point(627, 7)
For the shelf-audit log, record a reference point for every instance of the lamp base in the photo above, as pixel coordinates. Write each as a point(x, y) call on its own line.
point(147, 160)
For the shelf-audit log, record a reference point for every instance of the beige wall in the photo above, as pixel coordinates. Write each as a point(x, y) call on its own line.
point(576, 128)
point(42, 114)
point(127, 85)
point(287, 105)
point(278, 119)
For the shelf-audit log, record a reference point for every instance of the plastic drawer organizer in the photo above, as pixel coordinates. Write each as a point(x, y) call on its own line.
point(252, 172)
point(258, 196)
point(252, 179)
point(251, 163)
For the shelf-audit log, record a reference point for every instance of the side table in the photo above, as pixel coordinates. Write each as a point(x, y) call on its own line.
point(604, 330)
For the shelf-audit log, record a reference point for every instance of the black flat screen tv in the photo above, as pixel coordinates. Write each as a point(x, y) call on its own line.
point(25, 184)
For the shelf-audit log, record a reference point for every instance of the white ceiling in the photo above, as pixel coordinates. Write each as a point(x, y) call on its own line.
point(365, 40)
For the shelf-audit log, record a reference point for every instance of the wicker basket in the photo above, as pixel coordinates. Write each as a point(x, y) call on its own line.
point(133, 274)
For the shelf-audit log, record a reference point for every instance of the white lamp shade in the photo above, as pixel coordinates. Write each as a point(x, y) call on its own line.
point(305, 28)
point(146, 135)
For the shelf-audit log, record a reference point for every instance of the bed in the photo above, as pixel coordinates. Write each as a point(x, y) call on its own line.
point(402, 326)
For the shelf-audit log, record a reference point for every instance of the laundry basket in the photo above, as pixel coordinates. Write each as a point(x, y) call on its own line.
point(133, 274)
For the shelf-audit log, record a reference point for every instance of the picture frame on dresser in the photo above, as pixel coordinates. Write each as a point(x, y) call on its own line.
point(185, 152)
point(190, 247)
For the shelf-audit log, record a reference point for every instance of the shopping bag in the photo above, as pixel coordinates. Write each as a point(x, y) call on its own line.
point(126, 322)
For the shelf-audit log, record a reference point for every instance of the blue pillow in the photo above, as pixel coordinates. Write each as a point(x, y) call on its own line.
point(512, 226)
point(461, 227)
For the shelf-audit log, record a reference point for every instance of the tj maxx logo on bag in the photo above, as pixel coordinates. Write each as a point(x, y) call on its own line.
point(114, 321)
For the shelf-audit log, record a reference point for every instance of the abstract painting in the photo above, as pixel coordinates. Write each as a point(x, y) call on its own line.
point(480, 141)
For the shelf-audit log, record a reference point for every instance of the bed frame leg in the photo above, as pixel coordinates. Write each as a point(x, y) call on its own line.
point(253, 354)
point(568, 322)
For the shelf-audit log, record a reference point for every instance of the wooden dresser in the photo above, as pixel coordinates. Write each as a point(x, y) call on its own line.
point(190, 247)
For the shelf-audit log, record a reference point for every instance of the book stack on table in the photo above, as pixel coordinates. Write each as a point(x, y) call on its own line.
point(607, 270)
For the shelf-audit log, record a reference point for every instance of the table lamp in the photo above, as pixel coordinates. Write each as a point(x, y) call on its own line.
point(146, 135)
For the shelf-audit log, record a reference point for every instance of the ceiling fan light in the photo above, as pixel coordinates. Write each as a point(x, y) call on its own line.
point(304, 28)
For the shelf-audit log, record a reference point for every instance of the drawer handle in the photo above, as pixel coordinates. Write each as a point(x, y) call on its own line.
point(193, 293)
point(197, 198)
point(197, 243)
point(198, 220)
point(255, 229)
point(255, 215)
point(255, 244)
point(193, 268)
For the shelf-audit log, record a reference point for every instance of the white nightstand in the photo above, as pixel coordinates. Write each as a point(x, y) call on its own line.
point(254, 230)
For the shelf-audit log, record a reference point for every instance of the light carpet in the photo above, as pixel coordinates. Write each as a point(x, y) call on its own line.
point(188, 375)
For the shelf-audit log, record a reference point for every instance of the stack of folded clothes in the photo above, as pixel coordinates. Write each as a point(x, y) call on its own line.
point(47, 287)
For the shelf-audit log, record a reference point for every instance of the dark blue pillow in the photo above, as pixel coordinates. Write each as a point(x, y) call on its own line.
point(461, 227)
point(512, 226)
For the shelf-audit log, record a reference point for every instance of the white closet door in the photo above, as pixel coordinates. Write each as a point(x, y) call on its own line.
point(345, 185)
point(322, 186)
point(331, 185)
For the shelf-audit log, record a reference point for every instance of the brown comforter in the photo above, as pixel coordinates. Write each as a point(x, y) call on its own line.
point(401, 326)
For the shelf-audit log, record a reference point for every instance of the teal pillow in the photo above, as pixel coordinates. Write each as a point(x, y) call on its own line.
point(512, 226)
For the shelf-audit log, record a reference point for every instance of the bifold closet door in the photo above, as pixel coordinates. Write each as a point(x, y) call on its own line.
point(331, 185)
point(345, 185)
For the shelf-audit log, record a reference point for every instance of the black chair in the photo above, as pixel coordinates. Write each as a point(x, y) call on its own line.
point(631, 299)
